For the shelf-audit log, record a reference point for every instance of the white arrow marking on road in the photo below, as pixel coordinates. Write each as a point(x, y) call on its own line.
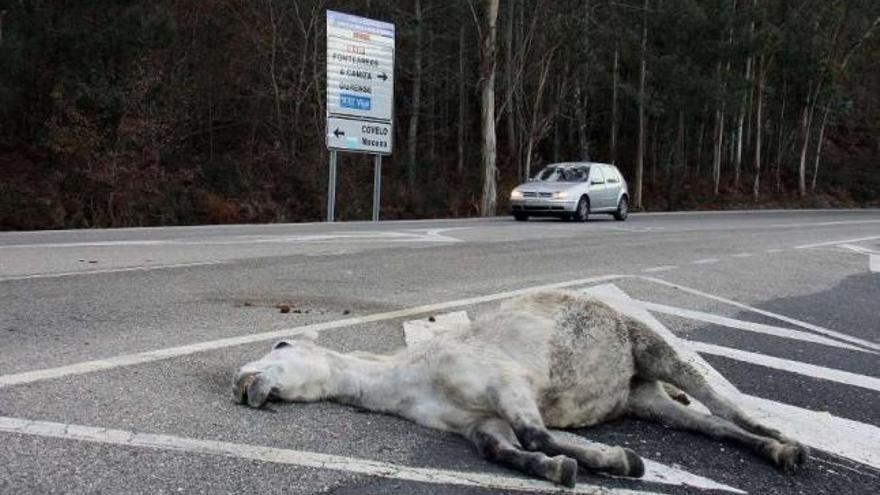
point(298, 458)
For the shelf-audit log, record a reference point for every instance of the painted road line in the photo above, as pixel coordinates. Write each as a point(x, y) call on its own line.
point(748, 326)
point(843, 437)
point(431, 235)
point(809, 326)
point(857, 249)
point(772, 251)
point(422, 330)
point(170, 352)
point(834, 243)
point(874, 263)
point(743, 255)
point(705, 261)
point(655, 472)
point(146, 268)
point(290, 457)
point(790, 366)
point(657, 269)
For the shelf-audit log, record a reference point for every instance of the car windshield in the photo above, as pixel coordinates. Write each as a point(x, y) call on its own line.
point(564, 174)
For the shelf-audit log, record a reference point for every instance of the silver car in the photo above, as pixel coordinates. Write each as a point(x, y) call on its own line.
point(572, 191)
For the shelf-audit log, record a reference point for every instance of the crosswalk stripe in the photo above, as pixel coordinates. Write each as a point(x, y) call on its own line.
point(788, 365)
point(746, 325)
point(809, 326)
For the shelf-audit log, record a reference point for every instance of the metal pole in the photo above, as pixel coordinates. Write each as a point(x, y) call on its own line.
point(331, 188)
point(377, 186)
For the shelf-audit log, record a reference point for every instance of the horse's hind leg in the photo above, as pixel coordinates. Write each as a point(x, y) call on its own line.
point(657, 360)
point(496, 442)
point(649, 401)
point(516, 405)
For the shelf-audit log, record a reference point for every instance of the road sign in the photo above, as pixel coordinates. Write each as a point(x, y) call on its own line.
point(358, 135)
point(360, 94)
point(360, 68)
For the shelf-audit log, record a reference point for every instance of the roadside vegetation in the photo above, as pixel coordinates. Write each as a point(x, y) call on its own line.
point(117, 113)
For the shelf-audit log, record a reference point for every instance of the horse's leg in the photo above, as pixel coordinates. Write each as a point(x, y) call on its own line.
point(657, 360)
point(515, 404)
point(648, 400)
point(495, 440)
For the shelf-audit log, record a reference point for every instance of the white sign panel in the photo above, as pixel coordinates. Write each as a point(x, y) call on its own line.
point(358, 135)
point(360, 68)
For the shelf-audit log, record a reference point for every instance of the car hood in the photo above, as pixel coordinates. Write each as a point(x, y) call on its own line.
point(540, 186)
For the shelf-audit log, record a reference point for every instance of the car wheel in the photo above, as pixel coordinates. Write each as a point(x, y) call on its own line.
point(582, 213)
point(520, 217)
point(622, 210)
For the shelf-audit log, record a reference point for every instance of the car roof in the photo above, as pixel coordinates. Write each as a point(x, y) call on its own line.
point(576, 164)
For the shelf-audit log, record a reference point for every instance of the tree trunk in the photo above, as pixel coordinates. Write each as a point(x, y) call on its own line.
point(819, 145)
point(412, 134)
point(806, 124)
point(640, 152)
point(614, 84)
point(462, 107)
point(510, 113)
point(535, 130)
point(487, 111)
point(779, 144)
point(759, 69)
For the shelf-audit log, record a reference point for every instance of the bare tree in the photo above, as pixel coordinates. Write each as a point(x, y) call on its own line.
point(487, 111)
point(413, 129)
point(640, 153)
point(760, 69)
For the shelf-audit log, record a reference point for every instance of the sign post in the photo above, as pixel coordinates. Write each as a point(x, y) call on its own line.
point(360, 94)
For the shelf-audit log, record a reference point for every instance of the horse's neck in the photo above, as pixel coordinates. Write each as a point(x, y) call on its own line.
point(367, 380)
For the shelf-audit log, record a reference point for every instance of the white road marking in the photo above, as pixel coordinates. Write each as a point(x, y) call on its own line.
point(802, 324)
point(742, 255)
point(144, 268)
point(874, 263)
point(748, 326)
point(843, 437)
point(771, 251)
point(821, 372)
point(833, 243)
point(290, 457)
point(857, 249)
point(820, 224)
point(705, 261)
point(657, 269)
point(170, 352)
point(431, 235)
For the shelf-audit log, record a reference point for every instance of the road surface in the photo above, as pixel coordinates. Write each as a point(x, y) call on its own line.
point(117, 347)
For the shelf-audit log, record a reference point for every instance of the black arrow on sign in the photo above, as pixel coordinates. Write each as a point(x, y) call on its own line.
point(383, 76)
point(338, 133)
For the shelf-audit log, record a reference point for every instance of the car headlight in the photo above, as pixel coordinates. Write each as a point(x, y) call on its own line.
point(516, 194)
point(560, 195)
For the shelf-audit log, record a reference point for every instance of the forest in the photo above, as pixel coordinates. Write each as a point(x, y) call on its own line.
point(121, 113)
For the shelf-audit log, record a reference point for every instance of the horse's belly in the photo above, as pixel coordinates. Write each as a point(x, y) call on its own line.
point(585, 405)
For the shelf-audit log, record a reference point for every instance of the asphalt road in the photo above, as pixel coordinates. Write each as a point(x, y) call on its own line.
point(117, 347)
